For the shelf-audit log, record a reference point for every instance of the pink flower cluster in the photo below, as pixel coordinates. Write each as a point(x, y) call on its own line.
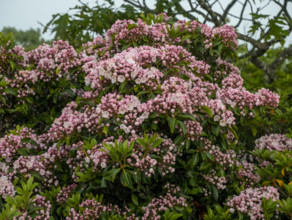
point(51, 62)
point(221, 114)
point(6, 187)
point(248, 175)
point(10, 144)
point(225, 160)
point(91, 209)
point(218, 181)
point(277, 142)
point(133, 65)
point(157, 205)
point(44, 165)
point(65, 193)
point(42, 212)
point(243, 98)
point(128, 30)
point(228, 35)
point(250, 201)
point(66, 124)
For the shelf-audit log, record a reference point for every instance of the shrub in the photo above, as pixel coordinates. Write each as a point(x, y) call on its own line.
point(149, 122)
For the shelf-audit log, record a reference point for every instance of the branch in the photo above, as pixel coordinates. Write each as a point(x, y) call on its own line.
point(241, 15)
point(269, 70)
point(143, 8)
point(287, 52)
point(211, 12)
point(255, 43)
point(231, 4)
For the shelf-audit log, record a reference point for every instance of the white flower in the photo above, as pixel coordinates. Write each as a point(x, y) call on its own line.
point(97, 110)
point(145, 115)
point(222, 123)
point(122, 126)
point(103, 165)
point(232, 104)
point(113, 80)
point(121, 78)
point(134, 74)
point(127, 130)
point(105, 114)
point(229, 121)
point(122, 110)
point(111, 64)
point(29, 164)
point(46, 155)
point(220, 104)
point(138, 81)
point(216, 118)
point(101, 71)
point(42, 172)
point(67, 124)
point(3, 167)
point(129, 58)
point(87, 81)
point(16, 165)
point(87, 159)
point(143, 79)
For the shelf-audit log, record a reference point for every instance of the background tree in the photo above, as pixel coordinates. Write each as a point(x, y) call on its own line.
point(29, 39)
point(83, 23)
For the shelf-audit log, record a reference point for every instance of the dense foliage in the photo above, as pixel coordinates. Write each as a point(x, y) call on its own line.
point(149, 122)
point(29, 39)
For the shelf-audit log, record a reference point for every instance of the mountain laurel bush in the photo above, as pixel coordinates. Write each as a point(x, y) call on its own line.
point(149, 121)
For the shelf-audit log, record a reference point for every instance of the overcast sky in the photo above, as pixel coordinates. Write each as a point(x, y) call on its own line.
point(25, 14)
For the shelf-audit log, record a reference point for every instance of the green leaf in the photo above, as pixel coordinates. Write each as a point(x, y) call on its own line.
point(188, 116)
point(253, 130)
point(11, 91)
point(126, 179)
point(188, 144)
point(174, 216)
point(215, 193)
point(195, 191)
point(131, 26)
point(103, 183)
point(193, 161)
point(205, 165)
point(183, 127)
point(12, 65)
point(141, 142)
point(172, 123)
point(207, 110)
point(157, 143)
point(110, 175)
point(135, 199)
point(215, 129)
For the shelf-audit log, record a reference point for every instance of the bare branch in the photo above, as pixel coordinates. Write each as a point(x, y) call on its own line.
point(281, 58)
point(241, 14)
point(210, 11)
point(229, 6)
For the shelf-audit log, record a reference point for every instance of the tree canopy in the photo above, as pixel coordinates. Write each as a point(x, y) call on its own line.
point(29, 39)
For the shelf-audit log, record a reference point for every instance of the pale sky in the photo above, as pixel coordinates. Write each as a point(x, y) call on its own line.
point(24, 14)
